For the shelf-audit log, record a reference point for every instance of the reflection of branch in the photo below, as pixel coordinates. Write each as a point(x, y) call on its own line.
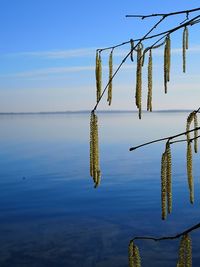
point(164, 15)
point(196, 226)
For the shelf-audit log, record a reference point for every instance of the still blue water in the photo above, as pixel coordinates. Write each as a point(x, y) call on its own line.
point(50, 213)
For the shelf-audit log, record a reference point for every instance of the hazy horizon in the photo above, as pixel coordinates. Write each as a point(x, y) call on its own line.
point(98, 111)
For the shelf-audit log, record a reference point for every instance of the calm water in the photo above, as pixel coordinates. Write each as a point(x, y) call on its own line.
point(50, 214)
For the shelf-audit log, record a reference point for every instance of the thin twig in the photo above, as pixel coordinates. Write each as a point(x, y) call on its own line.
point(162, 139)
point(196, 226)
point(170, 137)
point(163, 14)
point(141, 40)
point(125, 60)
point(151, 36)
point(185, 140)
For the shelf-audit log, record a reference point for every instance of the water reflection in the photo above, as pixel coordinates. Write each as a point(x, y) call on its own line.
point(55, 217)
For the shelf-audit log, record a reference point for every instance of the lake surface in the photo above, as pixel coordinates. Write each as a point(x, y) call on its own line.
point(50, 213)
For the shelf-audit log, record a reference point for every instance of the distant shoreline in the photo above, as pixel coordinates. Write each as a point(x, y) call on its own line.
point(88, 112)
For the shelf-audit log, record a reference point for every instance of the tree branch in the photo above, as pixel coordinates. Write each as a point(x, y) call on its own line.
point(189, 23)
point(164, 14)
point(170, 137)
point(123, 61)
point(139, 42)
point(184, 140)
point(164, 138)
point(196, 226)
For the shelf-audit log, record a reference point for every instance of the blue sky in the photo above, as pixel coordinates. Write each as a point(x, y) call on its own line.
point(47, 54)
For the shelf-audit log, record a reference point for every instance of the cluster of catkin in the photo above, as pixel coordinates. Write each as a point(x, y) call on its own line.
point(133, 255)
point(166, 182)
point(185, 252)
point(98, 72)
point(94, 150)
point(140, 61)
point(191, 118)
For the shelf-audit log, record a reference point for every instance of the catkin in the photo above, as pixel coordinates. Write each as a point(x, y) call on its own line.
point(167, 61)
point(188, 124)
point(149, 97)
point(109, 99)
point(130, 254)
point(91, 143)
point(98, 72)
point(94, 150)
point(165, 68)
point(168, 57)
point(185, 252)
point(169, 177)
point(132, 48)
point(138, 93)
point(134, 255)
point(181, 256)
point(189, 171)
point(192, 118)
point(163, 186)
point(185, 46)
point(195, 133)
point(188, 248)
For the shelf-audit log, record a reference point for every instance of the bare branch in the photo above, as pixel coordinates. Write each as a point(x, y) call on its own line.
point(139, 42)
point(185, 140)
point(164, 14)
point(189, 23)
point(125, 58)
point(164, 138)
point(170, 137)
point(196, 226)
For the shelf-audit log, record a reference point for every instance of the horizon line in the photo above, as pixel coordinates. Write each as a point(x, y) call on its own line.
point(89, 111)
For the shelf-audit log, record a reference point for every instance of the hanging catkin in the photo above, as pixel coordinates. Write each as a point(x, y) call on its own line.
point(195, 133)
point(167, 61)
point(163, 186)
point(132, 48)
point(169, 177)
point(130, 254)
point(185, 46)
point(185, 252)
point(134, 255)
point(138, 93)
point(91, 144)
point(149, 97)
point(98, 72)
point(188, 124)
point(189, 171)
point(168, 57)
point(192, 118)
point(188, 247)
point(109, 99)
point(94, 150)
